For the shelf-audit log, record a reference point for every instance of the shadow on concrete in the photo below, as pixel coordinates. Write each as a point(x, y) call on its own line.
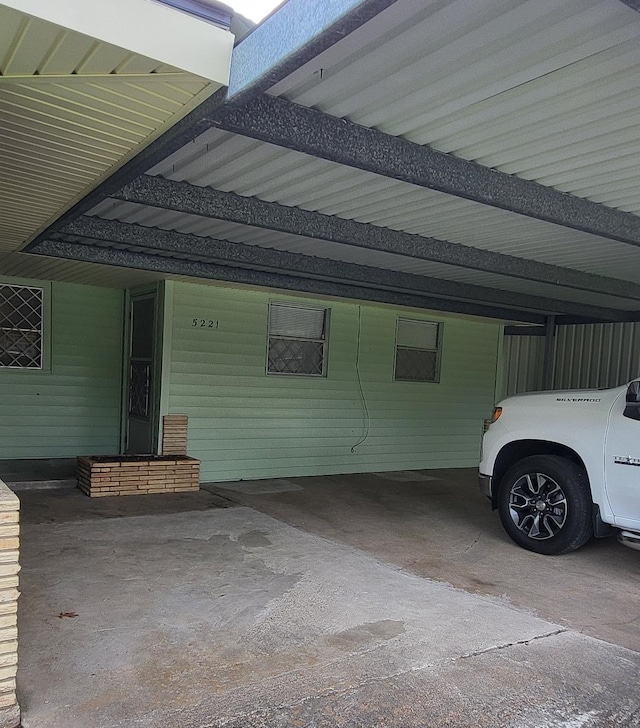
point(62, 505)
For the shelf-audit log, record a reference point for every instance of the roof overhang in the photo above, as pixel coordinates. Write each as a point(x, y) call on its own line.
point(481, 158)
point(82, 90)
point(144, 27)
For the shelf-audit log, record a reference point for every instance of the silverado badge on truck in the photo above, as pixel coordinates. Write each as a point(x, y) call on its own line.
point(555, 465)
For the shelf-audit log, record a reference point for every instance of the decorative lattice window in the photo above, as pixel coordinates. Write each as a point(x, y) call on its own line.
point(297, 340)
point(140, 389)
point(417, 351)
point(20, 326)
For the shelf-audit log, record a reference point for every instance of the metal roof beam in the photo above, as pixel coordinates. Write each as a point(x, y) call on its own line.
point(525, 330)
point(272, 51)
point(298, 32)
point(253, 256)
point(207, 202)
point(281, 122)
point(206, 270)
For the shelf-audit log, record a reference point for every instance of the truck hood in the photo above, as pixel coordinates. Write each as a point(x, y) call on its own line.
point(564, 397)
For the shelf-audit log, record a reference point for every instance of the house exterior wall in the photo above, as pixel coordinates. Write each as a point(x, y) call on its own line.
point(245, 424)
point(72, 406)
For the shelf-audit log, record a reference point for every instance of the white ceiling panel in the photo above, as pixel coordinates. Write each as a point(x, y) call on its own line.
point(544, 90)
point(246, 167)
point(191, 224)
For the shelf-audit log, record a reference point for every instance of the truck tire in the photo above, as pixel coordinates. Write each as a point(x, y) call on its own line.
point(545, 504)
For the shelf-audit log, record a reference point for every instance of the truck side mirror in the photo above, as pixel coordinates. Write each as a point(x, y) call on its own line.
point(632, 410)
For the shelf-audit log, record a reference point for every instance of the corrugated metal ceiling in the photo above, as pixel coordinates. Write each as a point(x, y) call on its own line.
point(195, 225)
point(250, 168)
point(545, 90)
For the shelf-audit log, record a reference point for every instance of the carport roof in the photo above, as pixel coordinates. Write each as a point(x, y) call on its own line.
point(478, 156)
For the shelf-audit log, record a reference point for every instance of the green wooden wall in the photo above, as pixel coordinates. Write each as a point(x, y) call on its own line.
point(73, 408)
point(244, 424)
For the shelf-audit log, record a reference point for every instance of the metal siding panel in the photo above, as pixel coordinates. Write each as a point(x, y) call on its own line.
point(523, 358)
point(586, 356)
point(73, 409)
point(245, 424)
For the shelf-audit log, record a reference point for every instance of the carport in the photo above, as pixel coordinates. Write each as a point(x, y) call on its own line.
point(500, 183)
point(448, 183)
point(480, 173)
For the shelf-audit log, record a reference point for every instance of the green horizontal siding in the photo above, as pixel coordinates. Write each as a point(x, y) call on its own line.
point(244, 424)
point(73, 408)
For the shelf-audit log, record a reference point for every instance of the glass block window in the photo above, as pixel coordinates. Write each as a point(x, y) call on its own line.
point(20, 326)
point(417, 351)
point(297, 340)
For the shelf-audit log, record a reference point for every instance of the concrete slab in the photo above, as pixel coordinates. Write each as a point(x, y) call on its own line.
point(523, 686)
point(229, 617)
point(443, 529)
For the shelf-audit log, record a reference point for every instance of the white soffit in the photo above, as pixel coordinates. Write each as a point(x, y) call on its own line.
point(145, 28)
point(545, 90)
point(73, 108)
point(38, 267)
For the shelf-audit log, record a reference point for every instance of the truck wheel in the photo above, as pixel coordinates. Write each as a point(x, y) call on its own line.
point(545, 504)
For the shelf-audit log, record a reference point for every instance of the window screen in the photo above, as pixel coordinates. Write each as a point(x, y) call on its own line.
point(20, 326)
point(297, 337)
point(417, 351)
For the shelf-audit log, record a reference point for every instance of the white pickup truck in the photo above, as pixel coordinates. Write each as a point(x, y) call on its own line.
point(562, 467)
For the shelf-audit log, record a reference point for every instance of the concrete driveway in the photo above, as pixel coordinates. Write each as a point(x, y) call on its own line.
point(311, 602)
point(438, 525)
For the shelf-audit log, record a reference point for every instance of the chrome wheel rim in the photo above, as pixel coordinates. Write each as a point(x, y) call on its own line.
point(538, 506)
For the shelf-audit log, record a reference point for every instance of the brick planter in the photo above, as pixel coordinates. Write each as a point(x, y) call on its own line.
point(103, 475)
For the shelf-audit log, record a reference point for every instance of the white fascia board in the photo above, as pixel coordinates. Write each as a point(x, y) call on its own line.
point(144, 27)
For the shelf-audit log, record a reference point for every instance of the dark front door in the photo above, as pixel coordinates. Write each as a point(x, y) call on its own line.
point(141, 419)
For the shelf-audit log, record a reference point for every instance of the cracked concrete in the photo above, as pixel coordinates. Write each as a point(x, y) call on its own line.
point(495, 648)
point(207, 617)
point(522, 688)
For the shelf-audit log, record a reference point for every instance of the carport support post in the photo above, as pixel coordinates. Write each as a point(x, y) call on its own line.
point(547, 366)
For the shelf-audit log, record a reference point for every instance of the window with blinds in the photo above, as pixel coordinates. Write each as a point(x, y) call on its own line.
point(21, 332)
point(297, 340)
point(417, 351)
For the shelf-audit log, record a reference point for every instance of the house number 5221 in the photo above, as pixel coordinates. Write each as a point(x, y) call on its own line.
point(204, 323)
